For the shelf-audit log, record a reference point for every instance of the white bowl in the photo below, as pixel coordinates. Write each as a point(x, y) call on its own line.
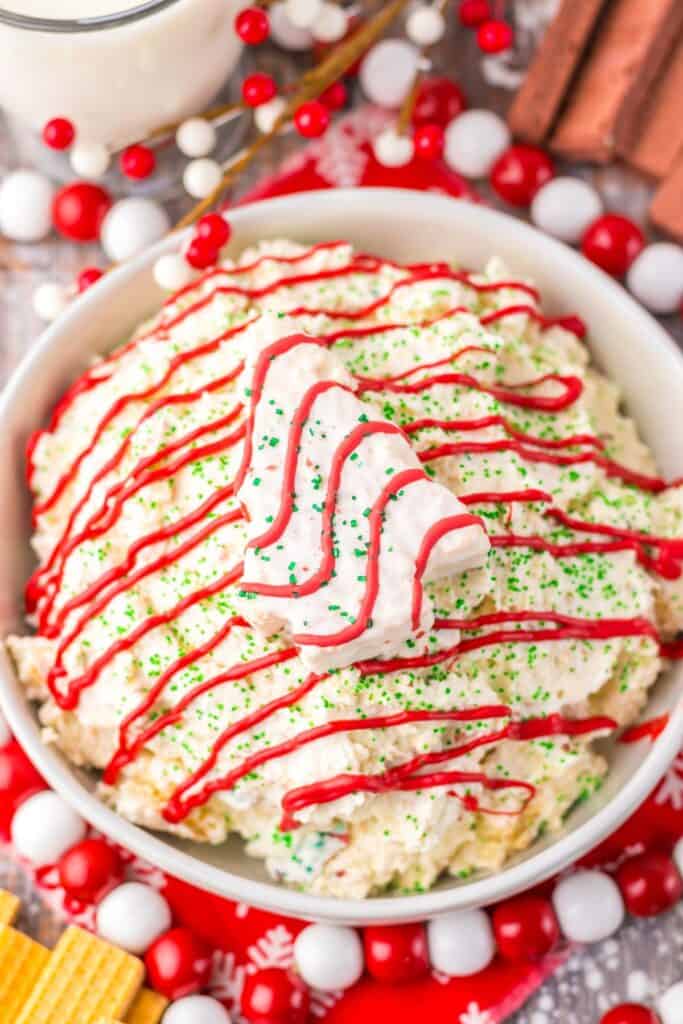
point(411, 226)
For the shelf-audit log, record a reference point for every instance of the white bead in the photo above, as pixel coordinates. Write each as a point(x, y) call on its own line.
point(267, 114)
point(196, 1010)
point(89, 159)
point(196, 137)
point(656, 277)
point(201, 177)
point(678, 855)
point(474, 141)
point(461, 943)
point(589, 906)
point(388, 72)
point(132, 916)
point(172, 272)
point(303, 13)
point(44, 827)
point(393, 150)
point(425, 26)
point(26, 206)
point(565, 207)
point(131, 225)
point(284, 33)
point(328, 956)
point(331, 24)
point(671, 1004)
point(5, 734)
point(50, 300)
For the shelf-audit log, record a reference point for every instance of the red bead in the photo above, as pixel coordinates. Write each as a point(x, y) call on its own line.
point(612, 242)
point(18, 780)
point(519, 172)
point(215, 229)
point(252, 26)
point(137, 162)
point(88, 277)
point(312, 119)
point(79, 209)
point(494, 36)
point(89, 869)
point(59, 133)
point(525, 928)
point(257, 89)
point(650, 883)
point(630, 1013)
point(335, 96)
point(201, 253)
point(274, 996)
point(396, 953)
point(438, 101)
point(178, 963)
point(428, 141)
point(473, 13)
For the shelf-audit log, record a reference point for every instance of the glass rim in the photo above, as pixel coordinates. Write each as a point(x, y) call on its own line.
point(32, 23)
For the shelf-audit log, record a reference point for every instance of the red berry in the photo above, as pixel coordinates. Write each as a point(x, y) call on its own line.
point(214, 228)
point(494, 36)
point(252, 26)
point(473, 13)
point(519, 172)
point(650, 883)
point(79, 209)
point(137, 161)
point(438, 101)
point(630, 1013)
point(89, 869)
point(178, 963)
point(612, 242)
point(201, 253)
point(335, 96)
point(525, 928)
point(312, 119)
point(18, 780)
point(87, 277)
point(274, 996)
point(428, 141)
point(396, 953)
point(59, 133)
point(258, 89)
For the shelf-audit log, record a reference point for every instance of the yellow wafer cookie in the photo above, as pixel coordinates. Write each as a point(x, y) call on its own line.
point(9, 907)
point(21, 962)
point(84, 979)
point(148, 1008)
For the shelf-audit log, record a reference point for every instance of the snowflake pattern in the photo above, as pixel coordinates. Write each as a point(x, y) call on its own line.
point(671, 787)
point(475, 1015)
point(274, 949)
point(227, 979)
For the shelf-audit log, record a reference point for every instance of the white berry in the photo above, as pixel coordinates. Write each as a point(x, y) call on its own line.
point(196, 1010)
point(388, 72)
point(474, 141)
point(44, 827)
point(589, 906)
point(328, 956)
point(425, 26)
point(5, 734)
point(285, 33)
point(172, 271)
point(267, 114)
point(196, 137)
point(201, 177)
point(656, 277)
point(89, 159)
point(132, 916)
point(392, 149)
point(131, 225)
point(303, 13)
point(26, 206)
point(461, 943)
point(565, 207)
point(671, 1004)
point(331, 24)
point(50, 300)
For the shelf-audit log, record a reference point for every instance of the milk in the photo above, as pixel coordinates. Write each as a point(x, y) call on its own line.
point(116, 83)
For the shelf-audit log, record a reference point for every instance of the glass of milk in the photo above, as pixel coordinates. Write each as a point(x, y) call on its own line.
point(118, 69)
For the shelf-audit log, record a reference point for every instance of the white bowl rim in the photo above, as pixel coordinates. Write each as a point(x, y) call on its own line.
point(271, 895)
